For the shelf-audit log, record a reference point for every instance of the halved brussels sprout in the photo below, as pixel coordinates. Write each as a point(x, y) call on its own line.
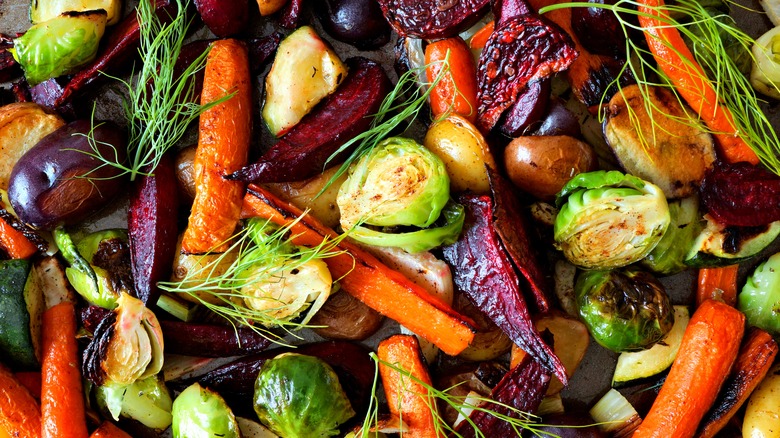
point(300, 396)
point(59, 46)
point(146, 401)
point(669, 255)
point(625, 310)
point(399, 182)
point(201, 413)
point(608, 219)
point(759, 299)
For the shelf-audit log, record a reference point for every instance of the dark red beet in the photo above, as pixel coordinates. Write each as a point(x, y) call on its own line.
point(303, 151)
point(152, 229)
point(224, 17)
point(431, 18)
point(598, 29)
point(357, 22)
point(523, 49)
point(483, 271)
point(291, 14)
point(527, 111)
point(741, 194)
point(262, 50)
point(210, 340)
point(558, 121)
point(504, 10)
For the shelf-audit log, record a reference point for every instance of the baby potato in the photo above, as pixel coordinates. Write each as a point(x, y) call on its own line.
point(541, 165)
point(762, 416)
point(303, 194)
point(464, 152)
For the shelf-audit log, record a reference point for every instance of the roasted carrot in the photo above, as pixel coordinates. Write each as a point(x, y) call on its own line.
point(108, 430)
point(223, 147)
point(456, 91)
point(717, 283)
point(30, 380)
point(13, 242)
point(677, 62)
point(367, 279)
point(753, 362)
point(406, 398)
point(707, 352)
point(62, 397)
point(479, 39)
point(20, 415)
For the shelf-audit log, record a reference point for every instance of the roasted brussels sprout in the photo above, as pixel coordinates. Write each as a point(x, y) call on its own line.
point(298, 395)
point(765, 73)
point(59, 46)
point(146, 401)
point(609, 220)
point(668, 256)
point(759, 299)
point(625, 310)
point(201, 413)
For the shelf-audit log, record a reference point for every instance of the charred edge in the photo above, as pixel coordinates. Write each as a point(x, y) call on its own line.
point(602, 84)
point(279, 209)
point(113, 255)
point(91, 366)
point(28, 232)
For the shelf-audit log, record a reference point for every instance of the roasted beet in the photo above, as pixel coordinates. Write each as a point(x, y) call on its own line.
point(357, 22)
point(224, 18)
point(505, 10)
point(741, 194)
point(261, 50)
point(209, 340)
point(291, 14)
point(598, 29)
point(431, 18)
point(304, 150)
point(558, 121)
point(523, 49)
point(527, 111)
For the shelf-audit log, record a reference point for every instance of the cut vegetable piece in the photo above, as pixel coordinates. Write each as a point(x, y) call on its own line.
point(304, 72)
point(718, 284)
point(742, 194)
point(638, 365)
point(363, 276)
point(44, 10)
point(20, 415)
point(456, 91)
point(718, 245)
point(615, 415)
point(431, 19)
point(201, 413)
point(223, 147)
point(21, 306)
point(759, 298)
point(763, 409)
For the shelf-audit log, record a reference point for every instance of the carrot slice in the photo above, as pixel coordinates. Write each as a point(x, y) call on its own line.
point(457, 90)
point(479, 39)
point(108, 430)
point(677, 62)
point(367, 279)
point(719, 284)
point(407, 399)
point(14, 242)
point(223, 147)
point(30, 380)
point(20, 415)
point(62, 397)
point(709, 348)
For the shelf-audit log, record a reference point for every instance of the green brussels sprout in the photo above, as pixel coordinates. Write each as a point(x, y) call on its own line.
point(625, 310)
point(59, 46)
point(146, 401)
point(300, 396)
point(418, 240)
point(201, 413)
point(759, 299)
point(609, 220)
point(668, 256)
point(399, 182)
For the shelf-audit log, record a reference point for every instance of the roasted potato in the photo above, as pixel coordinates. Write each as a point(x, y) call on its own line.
point(670, 148)
point(303, 194)
point(762, 416)
point(22, 125)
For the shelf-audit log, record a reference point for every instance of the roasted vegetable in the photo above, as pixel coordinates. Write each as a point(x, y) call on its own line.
point(763, 408)
point(209, 340)
point(316, 194)
point(145, 400)
point(765, 74)
point(741, 194)
point(608, 219)
point(345, 317)
point(669, 255)
point(625, 310)
point(21, 307)
point(357, 22)
point(224, 18)
point(59, 46)
point(298, 395)
point(719, 245)
point(41, 11)
point(430, 19)
point(760, 297)
point(201, 413)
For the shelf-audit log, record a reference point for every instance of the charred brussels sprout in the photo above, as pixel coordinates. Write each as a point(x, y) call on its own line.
point(609, 220)
point(201, 413)
point(300, 396)
point(146, 401)
point(759, 299)
point(668, 256)
point(625, 310)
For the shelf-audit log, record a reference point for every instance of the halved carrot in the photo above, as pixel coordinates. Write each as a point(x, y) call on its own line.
point(108, 430)
point(479, 39)
point(406, 398)
point(20, 415)
point(13, 242)
point(707, 352)
point(718, 283)
point(367, 279)
point(62, 397)
point(30, 380)
point(456, 91)
point(223, 147)
point(677, 62)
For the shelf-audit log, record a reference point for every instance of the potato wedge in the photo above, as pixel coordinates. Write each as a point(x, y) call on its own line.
point(22, 125)
point(671, 149)
point(762, 416)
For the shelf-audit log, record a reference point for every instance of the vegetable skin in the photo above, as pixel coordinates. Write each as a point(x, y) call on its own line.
point(20, 415)
point(456, 92)
point(717, 283)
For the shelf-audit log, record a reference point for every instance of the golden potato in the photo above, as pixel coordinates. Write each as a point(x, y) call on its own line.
point(303, 194)
point(542, 165)
point(22, 126)
point(185, 174)
point(195, 267)
point(464, 152)
point(762, 416)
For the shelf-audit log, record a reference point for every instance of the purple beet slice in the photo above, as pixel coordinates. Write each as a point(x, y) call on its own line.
point(741, 194)
point(430, 19)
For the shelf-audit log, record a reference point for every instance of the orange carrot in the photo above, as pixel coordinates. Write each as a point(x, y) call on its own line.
point(367, 279)
point(479, 39)
point(20, 415)
point(456, 91)
point(719, 284)
point(14, 242)
point(677, 62)
point(223, 147)
point(108, 430)
point(407, 399)
point(707, 352)
point(30, 380)
point(62, 397)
